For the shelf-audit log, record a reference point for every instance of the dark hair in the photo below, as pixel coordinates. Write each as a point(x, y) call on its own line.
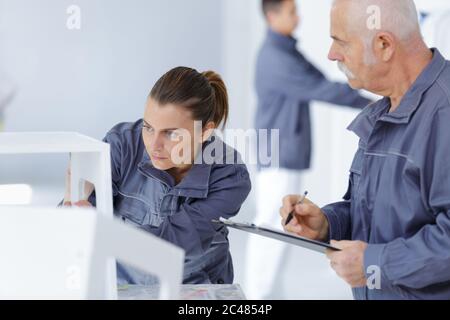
point(271, 5)
point(204, 94)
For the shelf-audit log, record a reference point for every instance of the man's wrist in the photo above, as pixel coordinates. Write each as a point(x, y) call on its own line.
point(324, 234)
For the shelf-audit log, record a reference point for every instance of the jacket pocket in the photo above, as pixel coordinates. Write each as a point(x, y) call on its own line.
point(131, 207)
point(356, 170)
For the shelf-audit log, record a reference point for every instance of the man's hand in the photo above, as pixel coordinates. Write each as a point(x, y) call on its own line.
point(308, 221)
point(349, 262)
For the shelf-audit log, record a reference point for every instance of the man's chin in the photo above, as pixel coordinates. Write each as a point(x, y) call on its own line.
point(354, 84)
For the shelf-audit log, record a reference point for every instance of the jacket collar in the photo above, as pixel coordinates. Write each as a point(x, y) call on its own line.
point(365, 121)
point(286, 42)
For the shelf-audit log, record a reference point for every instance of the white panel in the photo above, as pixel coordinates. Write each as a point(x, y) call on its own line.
point(50, 253)
point(45, 255)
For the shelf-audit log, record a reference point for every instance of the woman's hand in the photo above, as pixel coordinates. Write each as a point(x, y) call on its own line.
point(88, 189)
point(80, 204)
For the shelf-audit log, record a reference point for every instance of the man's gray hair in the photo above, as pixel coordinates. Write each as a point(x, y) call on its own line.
point(398, 17)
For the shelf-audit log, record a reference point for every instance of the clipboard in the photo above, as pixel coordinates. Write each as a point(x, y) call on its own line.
point(267, 232)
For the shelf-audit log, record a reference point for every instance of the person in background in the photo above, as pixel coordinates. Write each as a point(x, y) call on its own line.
point(286, 83)
point(162, 184)
point(393, 226)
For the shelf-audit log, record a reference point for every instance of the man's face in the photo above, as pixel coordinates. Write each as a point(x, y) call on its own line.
point(349, 50)
point(284, 19)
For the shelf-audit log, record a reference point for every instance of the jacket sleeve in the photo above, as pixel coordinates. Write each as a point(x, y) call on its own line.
point(411, 264)
point(338, 215)
point(298, 78)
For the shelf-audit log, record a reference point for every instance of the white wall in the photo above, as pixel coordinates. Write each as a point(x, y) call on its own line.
point(90, 79)
point(429, 5)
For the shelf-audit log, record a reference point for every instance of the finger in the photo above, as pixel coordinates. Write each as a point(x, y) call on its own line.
point(284, 212)
point(333, 265)
point(339, 272)
point(342, 244)
point(332, 254)
point(293, 222)
point(283, 223)
point(294, 229)
point(83, 203)
point(289, 202)
point(291, 199)
point(302, 209)
point(307, 201)
point(328, 253)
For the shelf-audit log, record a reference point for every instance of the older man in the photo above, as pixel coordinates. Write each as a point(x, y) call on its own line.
point(394, 225)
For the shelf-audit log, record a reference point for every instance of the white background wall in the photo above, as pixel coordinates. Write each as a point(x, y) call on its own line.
point(90, 79)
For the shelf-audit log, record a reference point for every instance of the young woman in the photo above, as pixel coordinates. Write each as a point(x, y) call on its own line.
point(160, 185)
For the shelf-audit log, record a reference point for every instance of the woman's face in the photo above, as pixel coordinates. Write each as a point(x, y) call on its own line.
point(169, 136)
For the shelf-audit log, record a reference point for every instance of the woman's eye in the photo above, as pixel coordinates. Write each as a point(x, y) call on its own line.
point(148, 129)
point(173, 135)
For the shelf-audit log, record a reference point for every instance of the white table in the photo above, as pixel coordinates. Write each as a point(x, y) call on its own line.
point(63, 253)
point(188, 292)
point(89, 161)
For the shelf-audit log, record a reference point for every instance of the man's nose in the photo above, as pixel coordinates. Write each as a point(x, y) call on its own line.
point(333, 55)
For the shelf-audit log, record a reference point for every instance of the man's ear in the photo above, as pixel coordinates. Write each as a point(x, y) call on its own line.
point(208, 130)
point(271, 17)
point(384, 46)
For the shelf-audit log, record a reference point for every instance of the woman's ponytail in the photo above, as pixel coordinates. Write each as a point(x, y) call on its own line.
point(204, 94)
point(220, 96)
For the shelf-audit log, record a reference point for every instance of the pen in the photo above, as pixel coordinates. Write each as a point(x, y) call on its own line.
point(291, 214)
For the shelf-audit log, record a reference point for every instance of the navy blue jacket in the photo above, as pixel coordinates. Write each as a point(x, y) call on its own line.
point(148, 198)
point(285, 84)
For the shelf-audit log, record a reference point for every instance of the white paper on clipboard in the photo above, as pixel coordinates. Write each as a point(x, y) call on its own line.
point(306, 243)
